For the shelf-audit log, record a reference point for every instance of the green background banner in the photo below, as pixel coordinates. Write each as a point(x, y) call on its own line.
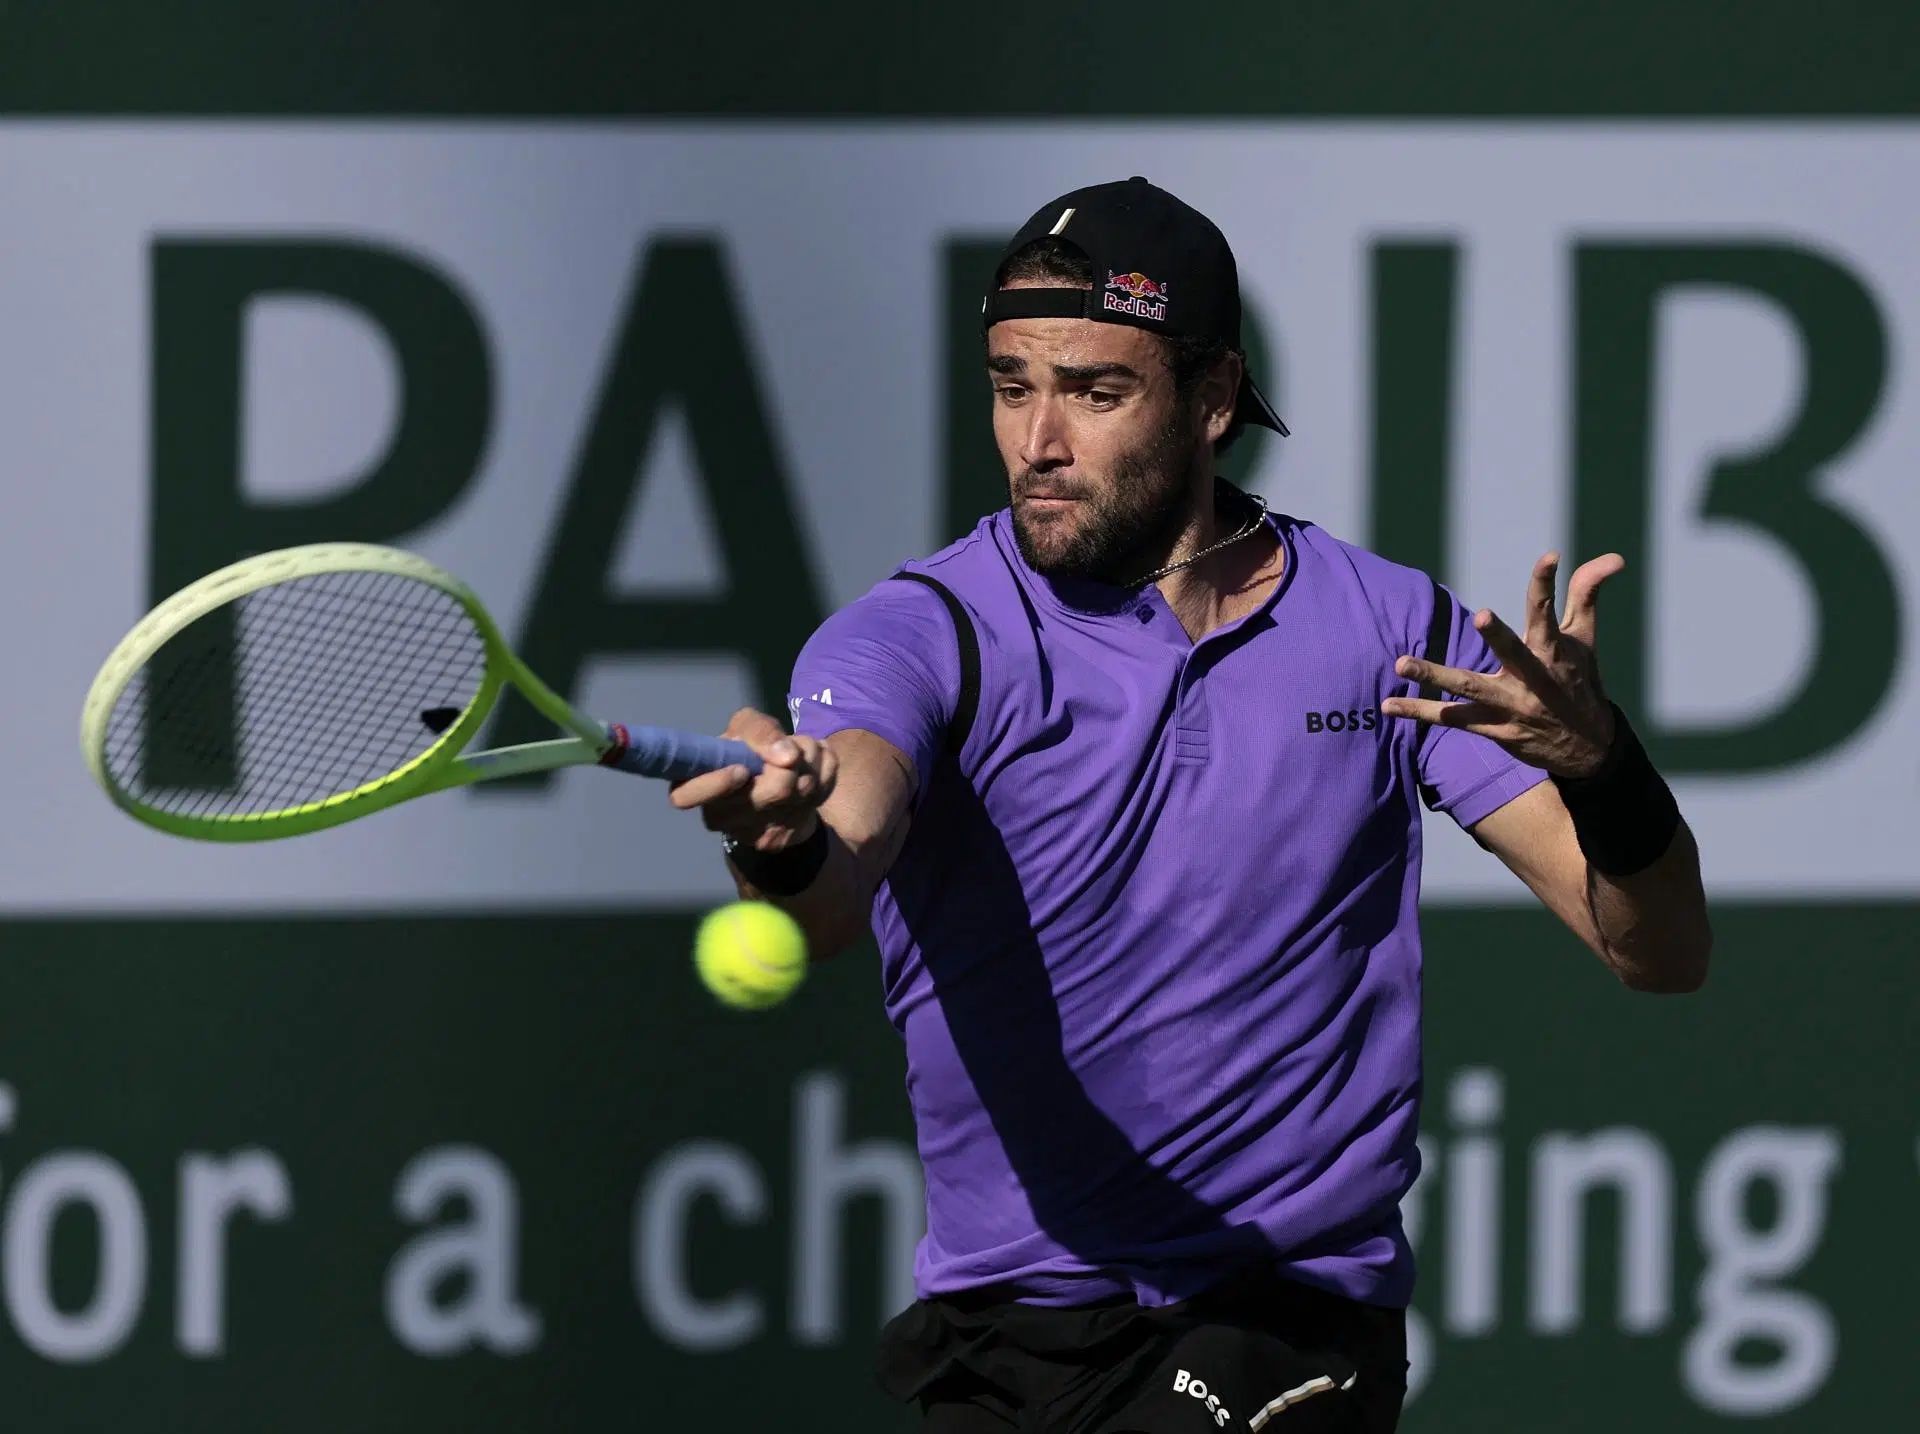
point(574, 1063)
point(1122, 57)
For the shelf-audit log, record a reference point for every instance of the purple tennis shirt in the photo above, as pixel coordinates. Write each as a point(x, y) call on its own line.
point(1151, 942)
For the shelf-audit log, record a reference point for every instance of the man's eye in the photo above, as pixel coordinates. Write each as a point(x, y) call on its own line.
point(1011, 392)
point(1100, 398)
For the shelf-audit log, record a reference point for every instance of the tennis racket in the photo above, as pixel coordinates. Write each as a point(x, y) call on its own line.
point(306, 687)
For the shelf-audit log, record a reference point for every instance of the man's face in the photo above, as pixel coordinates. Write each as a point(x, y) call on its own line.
point(1100, 453)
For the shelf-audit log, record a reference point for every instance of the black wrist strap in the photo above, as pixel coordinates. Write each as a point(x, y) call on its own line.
point(786, 872)
point(1623, 813)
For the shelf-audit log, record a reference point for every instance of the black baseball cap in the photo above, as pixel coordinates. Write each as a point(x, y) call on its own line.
point(1158, 264)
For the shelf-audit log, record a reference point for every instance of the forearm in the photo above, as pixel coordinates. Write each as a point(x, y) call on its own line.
point(863, 824)
point(1653, 924)
point(832, 909)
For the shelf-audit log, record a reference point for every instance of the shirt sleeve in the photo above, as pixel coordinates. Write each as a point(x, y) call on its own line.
point(1463, 774)
point(888, 664)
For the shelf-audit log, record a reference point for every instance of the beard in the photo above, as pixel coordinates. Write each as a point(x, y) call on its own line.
point(1114, 529)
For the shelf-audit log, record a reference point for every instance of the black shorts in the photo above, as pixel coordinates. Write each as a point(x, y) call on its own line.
point(1257, 1352)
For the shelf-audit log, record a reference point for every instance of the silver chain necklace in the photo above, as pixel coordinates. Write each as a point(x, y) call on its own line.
point(1246, 530)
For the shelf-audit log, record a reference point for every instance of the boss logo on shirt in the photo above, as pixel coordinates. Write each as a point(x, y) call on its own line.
point(1185, 1383)
point(1354, 719)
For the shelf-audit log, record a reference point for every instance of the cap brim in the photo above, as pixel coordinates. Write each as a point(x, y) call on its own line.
point(1252, 406)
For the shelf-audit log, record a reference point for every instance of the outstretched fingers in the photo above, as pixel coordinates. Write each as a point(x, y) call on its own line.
point(1461, 681)
point(1515, 656)
point(1583, 590)
point(1542, 627)
point(1480, 717)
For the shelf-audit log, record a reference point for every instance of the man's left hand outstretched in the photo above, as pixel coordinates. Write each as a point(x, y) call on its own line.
point(1545, 704)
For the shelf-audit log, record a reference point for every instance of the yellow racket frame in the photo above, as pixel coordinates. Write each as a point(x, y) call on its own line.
point(440, 767)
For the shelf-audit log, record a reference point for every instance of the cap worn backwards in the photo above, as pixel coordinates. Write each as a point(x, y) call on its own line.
point(1158, 264)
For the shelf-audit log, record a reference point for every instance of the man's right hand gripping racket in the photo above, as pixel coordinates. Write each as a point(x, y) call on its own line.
point(306, 687)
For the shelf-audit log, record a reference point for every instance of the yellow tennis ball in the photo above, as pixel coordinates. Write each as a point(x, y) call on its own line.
point(750, 954)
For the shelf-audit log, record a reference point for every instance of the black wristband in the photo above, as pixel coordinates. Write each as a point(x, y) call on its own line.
point(1623, 812)
point(786, 872)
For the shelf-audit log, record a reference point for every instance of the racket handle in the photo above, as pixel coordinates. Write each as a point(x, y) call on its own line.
point(674, 755)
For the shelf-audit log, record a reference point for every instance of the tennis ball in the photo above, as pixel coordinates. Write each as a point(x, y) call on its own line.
point(750, 954)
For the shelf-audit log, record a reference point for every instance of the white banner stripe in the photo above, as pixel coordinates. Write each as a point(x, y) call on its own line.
point(543, 230)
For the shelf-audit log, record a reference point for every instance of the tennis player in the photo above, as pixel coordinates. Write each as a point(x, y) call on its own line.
point(1128, 783)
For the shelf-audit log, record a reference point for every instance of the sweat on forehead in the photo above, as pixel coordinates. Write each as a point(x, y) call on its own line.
point(1073, 343)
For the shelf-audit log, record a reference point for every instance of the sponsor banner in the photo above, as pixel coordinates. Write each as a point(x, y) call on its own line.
point(666, 394)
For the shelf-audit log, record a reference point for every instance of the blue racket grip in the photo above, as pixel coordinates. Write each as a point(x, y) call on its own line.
point(674, 755)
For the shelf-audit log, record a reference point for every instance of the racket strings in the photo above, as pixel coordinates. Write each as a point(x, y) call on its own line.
point(357, 632)
point(313, 695)
point(266, 625)
point(192, 685)
point(293, 694)
point(190, 672)
point(360, 716)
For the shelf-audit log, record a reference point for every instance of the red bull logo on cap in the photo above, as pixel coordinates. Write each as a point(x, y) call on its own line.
point(1141, 293)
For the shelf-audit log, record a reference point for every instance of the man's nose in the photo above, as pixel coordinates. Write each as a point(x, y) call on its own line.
point(1044, 445)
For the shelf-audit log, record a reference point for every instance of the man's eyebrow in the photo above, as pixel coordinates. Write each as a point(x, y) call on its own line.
point(1087, 373)
point(1013, 364)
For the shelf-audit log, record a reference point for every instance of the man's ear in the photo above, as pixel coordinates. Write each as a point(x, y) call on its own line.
point(1218, 390)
